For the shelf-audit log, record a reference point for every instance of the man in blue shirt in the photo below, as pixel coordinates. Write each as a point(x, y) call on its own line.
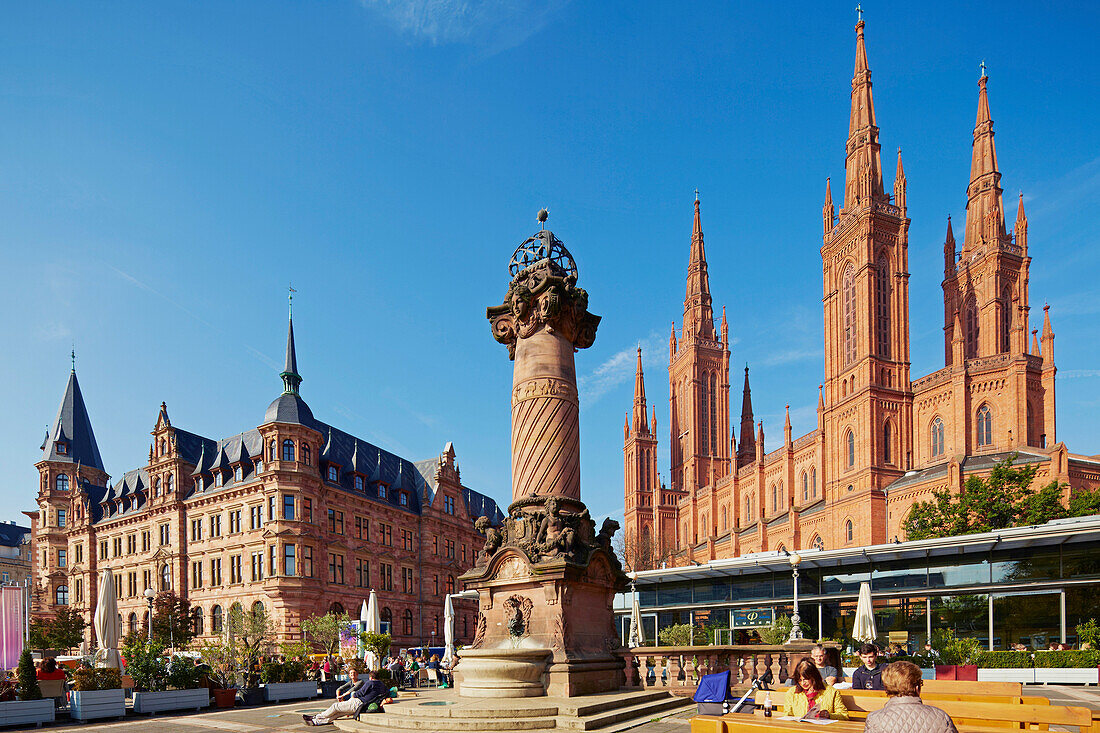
point(869, 676)
point(358, 697)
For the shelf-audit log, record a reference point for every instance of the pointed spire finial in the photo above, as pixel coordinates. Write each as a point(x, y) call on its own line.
point(859, 12)
point(290, 298)
point(291, 378)
point(73, 355)
point(983, 74)
point(696, 194)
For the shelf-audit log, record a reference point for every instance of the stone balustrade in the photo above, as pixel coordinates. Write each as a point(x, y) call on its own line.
point(681, 667)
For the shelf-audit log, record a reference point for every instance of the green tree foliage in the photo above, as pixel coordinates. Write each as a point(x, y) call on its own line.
point(684, 635)
point(1003, 499)
point(39, 636)
point(64, 630)
point(1089, 633)
point(251, 634)
point(324, 632)
point(27, 682)
point(173, 620)
point(780, 630)
point(146, 664)
point(379, 644)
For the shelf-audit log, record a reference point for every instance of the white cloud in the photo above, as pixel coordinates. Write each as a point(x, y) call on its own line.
point(619, 368)
point(491, 25)
point(1078, 373)
point(792, 355)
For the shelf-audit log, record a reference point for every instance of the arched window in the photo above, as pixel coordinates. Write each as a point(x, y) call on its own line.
point(887, 456)
point(805, 487)
point(848, 300)
point(132, 623)
point(62, 482)
point(407, 622)
point(274, 451)
point(937, 437)
point(258, 609)
point(1006, 317)
point(851, 442)
point(168, 484)
point(288, 450)
point(775, 498)
point(386, 617)
point(156, 487)
point(813, 482)
point(985, 426)
point(817, 543)
point(61, 595)
point(165, 577)
point(163, 447)
point(306, 457)
point(358, 483)
point(971, 328)
point(333, 473)
point(450, 584)
point(713, 414)
point(725, 518)
point(882, 307)
point(705, 409)
point(216, 620)
point(1031, 431)
point(848, 531)
point(748, 510)
point(197, 622)
point(336, 608)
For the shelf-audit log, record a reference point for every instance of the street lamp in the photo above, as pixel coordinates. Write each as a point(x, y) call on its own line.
point(149, 595)
point(796, 628)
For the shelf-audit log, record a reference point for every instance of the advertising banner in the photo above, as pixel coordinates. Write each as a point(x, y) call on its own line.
point(11, 625)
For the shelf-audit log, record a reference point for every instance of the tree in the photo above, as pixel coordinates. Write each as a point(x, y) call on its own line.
point(39, 634)
point(324, 632)
point(1003, 499)
point(251, 634)
point(27, 682)
point(1084, 503)
point(639, 552)
point(67, 628)
point(173, 620)
point(377, 644)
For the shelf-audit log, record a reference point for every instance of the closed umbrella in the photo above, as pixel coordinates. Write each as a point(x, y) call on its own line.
point(449, 630)
point(635, 639)
point(105, 622)
point(374, 626)
point(364, 614)
point(864, 628)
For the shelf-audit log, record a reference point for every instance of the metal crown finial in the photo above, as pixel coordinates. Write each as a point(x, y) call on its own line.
point(696, 194)
point(73, 355)
point(859, 12)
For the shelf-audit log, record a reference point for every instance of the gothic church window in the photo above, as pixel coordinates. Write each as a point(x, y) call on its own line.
point(848, 298)
point(848, 530)
point(706, 410)
point(713, 414)
point(775, 497)
point(805, 487)
point(937, 437)
point(851, 441)
point(886, 437)
point(985, 426)
point(817, 543)
point(971, 329)
point(725, 519)
point(813, 482)
point(882, 307)
point(1006, 317)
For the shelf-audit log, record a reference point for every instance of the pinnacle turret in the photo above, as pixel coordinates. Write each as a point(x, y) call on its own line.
point(639, 397)
point(70, 438)
point(828, 211)
point(747, 449)
point(985, 221)
point(698, 314)
point(899, 184)
point(863, 181)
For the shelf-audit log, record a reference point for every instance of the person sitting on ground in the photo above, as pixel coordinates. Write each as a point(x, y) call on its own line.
point(869, 676)
point(828, 673)
point(811, 697)
point(367, 697)
point(50, 671)
point(904, 711)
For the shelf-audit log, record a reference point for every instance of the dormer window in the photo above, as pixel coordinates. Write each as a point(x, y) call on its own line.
point(198, 484)
point(381, 491)
point(403, 498)
point(333, 473)
point(62, 482)
point(358, 483)
point(218, 478)
point(238, 474)
point(259, 465)
point(62, 449)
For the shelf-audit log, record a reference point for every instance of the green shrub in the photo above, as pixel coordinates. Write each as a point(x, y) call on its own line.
point(146, 664)
point(184, 674)
point(1089, 633)
point(1003, 660)
point(953, 650)
point(28, 682)
point(1069, 658)
point(271, 672)
point(683, 635)
point(90, 679)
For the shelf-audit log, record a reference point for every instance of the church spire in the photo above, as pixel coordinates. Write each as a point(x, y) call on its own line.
point(747, 449)
point(828, 211)
point(949, 251)
point(864, 165)
point(698, 316)
point(985, 220)
point(639, 397)
point(1021, 226)
point(290, 376)
point(899, 184)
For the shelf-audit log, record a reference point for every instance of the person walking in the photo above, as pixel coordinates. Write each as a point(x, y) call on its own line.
point(349, 704)
point(904, 711)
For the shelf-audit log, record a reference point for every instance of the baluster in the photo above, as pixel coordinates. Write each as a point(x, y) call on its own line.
point(631, 669)
point(659, 671)
point(747, 666)
point(773, 666)
point(675, 667)
point(689, 670)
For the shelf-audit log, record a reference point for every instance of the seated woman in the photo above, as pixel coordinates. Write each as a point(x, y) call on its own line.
point(50, 671)
point(811, 697)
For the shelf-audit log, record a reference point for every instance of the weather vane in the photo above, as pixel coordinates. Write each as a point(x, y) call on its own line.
point(73, 355)
point(290, 297)
point(859, 11)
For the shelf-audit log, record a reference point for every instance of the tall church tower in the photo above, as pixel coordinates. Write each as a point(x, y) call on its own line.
point(644, 530)
point(699, 382)
point(868, 398)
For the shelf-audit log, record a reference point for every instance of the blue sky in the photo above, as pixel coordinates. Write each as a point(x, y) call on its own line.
point(166, 169)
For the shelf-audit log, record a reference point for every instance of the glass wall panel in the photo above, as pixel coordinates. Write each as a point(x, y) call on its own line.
point(1032, 620)
point(647, 596)
point(783, 585)
point(1021, 565)
point(674, 594)
point(901, 622)
point(966, 615)
point(1081, 605)
point(747, 587)
point(712, 619)
point(1080, 561)
point(809, 581)
point(844, 579)
point(956, 570)
point(899, 575)
point(710, 590)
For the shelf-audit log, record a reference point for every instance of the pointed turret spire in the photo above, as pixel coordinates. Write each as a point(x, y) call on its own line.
point(639, 397)
point(698, 315)
point(1035, 342)
point(958, 352)
point(1047, 338)
point(949, 250)
point(828, 211)
point(71, 439)
point(985, 220)
point(899, 184)
point(787, 426)
point(725, 328)
point(1021, 225)
point(672, 343)
point(747, 448)
point(290, 376)
point(864, 165)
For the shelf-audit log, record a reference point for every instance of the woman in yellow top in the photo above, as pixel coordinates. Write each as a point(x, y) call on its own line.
point(811, 697)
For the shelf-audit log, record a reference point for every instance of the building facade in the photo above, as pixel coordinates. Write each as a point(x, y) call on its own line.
point(883, 440)
point(15, 553)
point(294, 514)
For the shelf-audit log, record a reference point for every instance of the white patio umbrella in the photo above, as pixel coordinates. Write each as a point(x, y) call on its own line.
point(864, 628)
point(374, 626)
point(449, 630)
point(105, 622)
point(635, 639)
point(364, 615)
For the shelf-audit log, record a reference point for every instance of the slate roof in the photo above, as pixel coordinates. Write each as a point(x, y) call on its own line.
point(73, 428)
point(12, 535)
point(970, 464)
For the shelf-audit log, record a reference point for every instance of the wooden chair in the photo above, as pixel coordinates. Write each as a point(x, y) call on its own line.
point(57, 689)
point(433, 677)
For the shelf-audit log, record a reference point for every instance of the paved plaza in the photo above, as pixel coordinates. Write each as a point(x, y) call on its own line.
point(288, 717)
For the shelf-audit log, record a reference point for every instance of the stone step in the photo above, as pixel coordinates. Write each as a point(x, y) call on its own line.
point(578, 707)
point(523, 708)
point(388, 724)
point(635, 714)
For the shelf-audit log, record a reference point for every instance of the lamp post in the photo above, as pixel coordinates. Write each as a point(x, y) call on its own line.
point(149, 595)
point(796, 628)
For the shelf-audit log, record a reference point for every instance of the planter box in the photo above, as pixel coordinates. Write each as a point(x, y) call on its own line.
point(960, 672)
point(155, 702)
point(1027, 676)
point(251, 696)
point(91, 704)
point(276, 691)
point(25, 712)
point(1066, 675)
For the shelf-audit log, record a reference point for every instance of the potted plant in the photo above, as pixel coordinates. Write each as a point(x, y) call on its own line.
point(222, 669)
point(97, 693)
point(250, 634)
point(31, 707)
point(287, 681)
point(324, 634)
point(957, 656)
point(162, 682)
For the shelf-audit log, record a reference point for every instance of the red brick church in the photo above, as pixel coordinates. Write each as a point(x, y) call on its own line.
point(883, 440)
